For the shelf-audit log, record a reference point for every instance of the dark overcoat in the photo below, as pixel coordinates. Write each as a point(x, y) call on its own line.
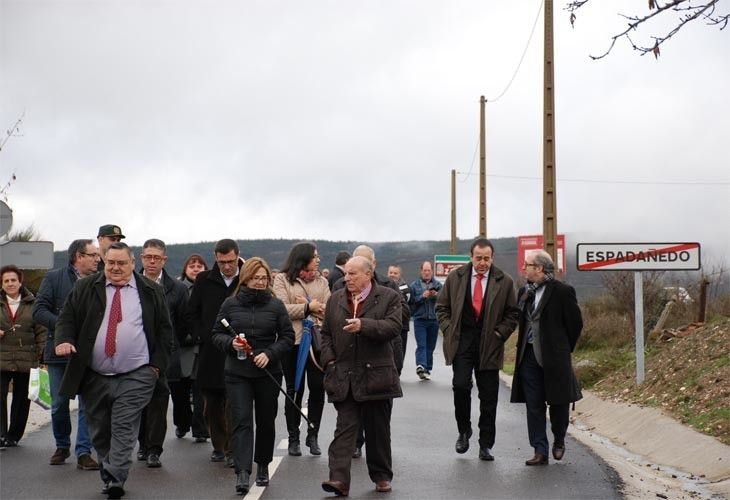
point(364, 362)
point(499, 323)
point(209, 292)
point(83, 313)
point(55, 287)
point(560, 326)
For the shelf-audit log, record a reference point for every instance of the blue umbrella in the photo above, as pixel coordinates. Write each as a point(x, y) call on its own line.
point(303, 353)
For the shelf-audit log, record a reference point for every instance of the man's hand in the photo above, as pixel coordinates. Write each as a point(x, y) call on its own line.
point(353, 325)
point(65, 349)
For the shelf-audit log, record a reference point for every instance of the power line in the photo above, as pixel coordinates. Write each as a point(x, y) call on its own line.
point(473, 159)
point(612, 181)
point(527, 45)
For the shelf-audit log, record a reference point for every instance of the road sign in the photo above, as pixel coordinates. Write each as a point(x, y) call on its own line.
point(638, 256)
point(27, 254)
point(444, 264)
point(527, 244)
point(6, 218)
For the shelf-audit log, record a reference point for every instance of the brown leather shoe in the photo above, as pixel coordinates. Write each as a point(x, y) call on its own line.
point(383, 486)
point(337, 487)
point(85, 462)
point(538, 459)
point(60, 456)
point(558, 451)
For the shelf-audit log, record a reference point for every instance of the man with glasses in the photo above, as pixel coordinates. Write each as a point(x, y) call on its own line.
point(153, 425)
point(83, 258)
point(116, 329)
point(108, 234)
point(211, 288)
point(550, 325)
point(477, 312)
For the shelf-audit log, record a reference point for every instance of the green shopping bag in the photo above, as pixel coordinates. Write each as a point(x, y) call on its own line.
point(39, 388)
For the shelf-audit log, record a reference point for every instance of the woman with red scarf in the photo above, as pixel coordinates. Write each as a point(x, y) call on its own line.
point(304, 293)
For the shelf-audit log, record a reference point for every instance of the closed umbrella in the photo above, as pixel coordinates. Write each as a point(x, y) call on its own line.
point(303, 353)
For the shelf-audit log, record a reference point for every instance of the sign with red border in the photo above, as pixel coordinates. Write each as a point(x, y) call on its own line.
point(638, 256)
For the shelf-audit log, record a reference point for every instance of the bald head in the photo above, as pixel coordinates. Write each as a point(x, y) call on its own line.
point(366, 252)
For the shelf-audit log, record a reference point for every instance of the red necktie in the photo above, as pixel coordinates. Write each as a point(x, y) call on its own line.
point(476, 301)
point(115, 317)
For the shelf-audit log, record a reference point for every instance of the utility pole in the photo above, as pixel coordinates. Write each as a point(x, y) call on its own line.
point(452, 249)
point(549, 204)
point(482, 171)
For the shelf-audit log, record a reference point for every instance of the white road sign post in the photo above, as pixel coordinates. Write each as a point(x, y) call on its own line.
point(638, 257)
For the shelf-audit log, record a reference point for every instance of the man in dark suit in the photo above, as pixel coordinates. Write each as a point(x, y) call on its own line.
point(360, 378)
point(550, 325)
point(211, 288)
point(339, 270)
point(153, 426)
point(477, 313)
point(116, 328)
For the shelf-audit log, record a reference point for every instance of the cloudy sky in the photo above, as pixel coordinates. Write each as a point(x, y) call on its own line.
point(193, 121)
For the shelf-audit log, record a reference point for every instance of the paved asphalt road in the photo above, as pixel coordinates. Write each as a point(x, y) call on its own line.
point(424, 461)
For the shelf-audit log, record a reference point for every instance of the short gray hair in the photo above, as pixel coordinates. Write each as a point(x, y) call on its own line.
point(364, 251)
point(543, 259)
point(364, 263)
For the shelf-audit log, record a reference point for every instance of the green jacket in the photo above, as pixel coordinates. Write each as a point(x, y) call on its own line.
point(83, 313)
point(21, 346)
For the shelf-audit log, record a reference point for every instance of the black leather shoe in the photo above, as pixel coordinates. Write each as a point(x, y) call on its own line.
point(313, 445)
point(105, 488)
point(485, 454)
point(262, 475)
point(558, 451)
point(230, 462)
point(294, 449)
point(153, 460)
point(538, 459)
point(242, 479)
point(180, 433)
point(357, 453)
point(115, 491)
point(217, 456)
point(462, 442)
point(141, 454)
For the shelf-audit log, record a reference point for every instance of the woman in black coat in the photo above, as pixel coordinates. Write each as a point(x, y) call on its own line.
point(255, 312)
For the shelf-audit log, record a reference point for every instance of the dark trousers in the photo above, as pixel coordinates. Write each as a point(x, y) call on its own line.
point(153, 424)
point(217, 414)
point(199, 425)
point(374, 416)
point(113, 411)
point(20, 406)
point(315, 404)
point(533, 387)
point(404, 340)
point(488, 386)
point(243, 395)
point(182, 410)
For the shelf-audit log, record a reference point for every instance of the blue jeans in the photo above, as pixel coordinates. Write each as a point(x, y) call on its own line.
point(427, 333)
point(61, 416)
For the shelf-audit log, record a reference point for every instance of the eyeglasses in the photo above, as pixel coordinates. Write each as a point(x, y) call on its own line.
point(120, 263)
point(92, 255)
point(154, 258)
point(227, 262)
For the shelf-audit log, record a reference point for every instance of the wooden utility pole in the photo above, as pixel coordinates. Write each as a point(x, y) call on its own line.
point(549, 204)
point(452, 249)
point(482, 171)
point(703, 300)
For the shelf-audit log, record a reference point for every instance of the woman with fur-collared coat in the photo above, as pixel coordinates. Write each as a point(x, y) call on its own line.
point(21, 346)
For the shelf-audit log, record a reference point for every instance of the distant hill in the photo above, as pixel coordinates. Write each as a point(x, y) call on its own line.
point(407, 254)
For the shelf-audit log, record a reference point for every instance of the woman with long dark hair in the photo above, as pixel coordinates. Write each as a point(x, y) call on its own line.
point(304, 293)
point(21, 346)
point(194, 264)
point(262, 318)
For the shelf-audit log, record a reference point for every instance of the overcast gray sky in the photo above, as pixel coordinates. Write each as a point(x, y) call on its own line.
point(193, 121)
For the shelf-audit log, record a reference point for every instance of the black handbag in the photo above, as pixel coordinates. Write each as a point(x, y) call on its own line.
point(315, 350)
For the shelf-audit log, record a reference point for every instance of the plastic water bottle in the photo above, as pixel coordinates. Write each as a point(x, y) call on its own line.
point(241, 354)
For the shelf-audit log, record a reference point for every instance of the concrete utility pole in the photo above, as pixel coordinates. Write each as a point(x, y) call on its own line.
point(549, 204)
point(482, 171)
point(452, 248)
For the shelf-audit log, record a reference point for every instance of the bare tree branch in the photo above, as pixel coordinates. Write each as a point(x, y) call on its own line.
point(687, 11)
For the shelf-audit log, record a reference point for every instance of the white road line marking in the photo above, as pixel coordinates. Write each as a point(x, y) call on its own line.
point(256, 491)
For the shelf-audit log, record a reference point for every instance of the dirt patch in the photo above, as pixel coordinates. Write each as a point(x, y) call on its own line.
point(687, 376)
